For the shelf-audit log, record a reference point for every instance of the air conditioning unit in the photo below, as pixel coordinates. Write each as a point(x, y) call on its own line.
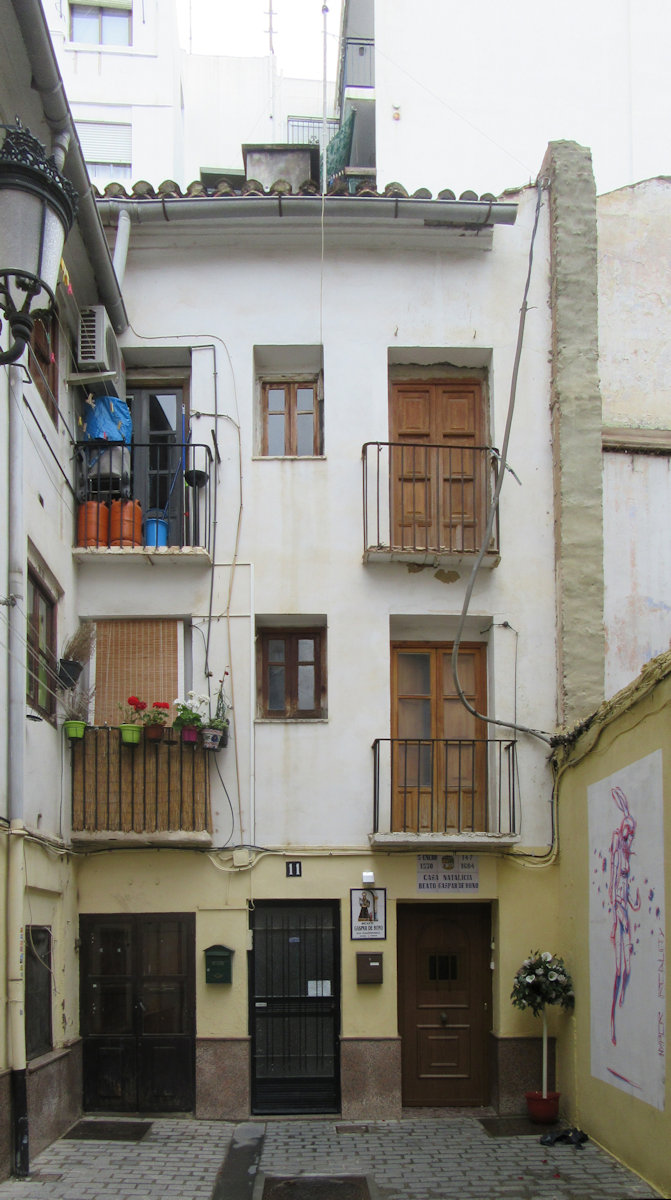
point(98, 349)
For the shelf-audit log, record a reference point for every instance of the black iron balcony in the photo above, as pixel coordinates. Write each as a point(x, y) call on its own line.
point(427, 502)
point(154, 789)
point(451, 786)
point(155, 494)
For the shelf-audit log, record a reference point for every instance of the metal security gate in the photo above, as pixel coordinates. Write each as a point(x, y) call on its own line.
point(295, 1007)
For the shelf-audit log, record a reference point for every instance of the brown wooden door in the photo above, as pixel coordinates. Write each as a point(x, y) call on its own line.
point(444, 997)
point(138, 1012)
point(439, 775)
point(437, 477)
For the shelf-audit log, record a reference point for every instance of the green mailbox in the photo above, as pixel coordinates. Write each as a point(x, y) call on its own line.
point(219, 964)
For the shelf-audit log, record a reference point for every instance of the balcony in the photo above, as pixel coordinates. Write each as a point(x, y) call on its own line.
point(427, 504)
point(452, 792)
point(154, 496)
point(155, 793)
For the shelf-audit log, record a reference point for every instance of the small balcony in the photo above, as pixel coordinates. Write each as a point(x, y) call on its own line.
point(454, 792)
point(157, 496)
point(428, 504)
point(154, 793)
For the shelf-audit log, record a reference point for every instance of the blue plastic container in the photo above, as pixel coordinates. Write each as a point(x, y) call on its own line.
point(155, 532)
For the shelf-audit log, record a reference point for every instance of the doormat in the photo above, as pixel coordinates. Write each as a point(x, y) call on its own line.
point(513, 1127)
point(108, 1131)
point(306, 1187)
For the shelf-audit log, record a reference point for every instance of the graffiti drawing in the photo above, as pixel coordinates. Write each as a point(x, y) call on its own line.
point(621, 902)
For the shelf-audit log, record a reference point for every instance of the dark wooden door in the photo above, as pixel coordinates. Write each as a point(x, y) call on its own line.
point(438, 479)
point(295, 1007)
point(439, 761)
point(138, 1012)
point(444, 995)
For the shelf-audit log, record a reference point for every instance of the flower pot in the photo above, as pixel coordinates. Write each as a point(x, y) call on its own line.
point(543, 1110)
point(214, 739)
point(126, 523)
point(189, 733)
point(93, 522)
point(130, 734)
point(153, 733)
point(69, 671)
point(74, 729)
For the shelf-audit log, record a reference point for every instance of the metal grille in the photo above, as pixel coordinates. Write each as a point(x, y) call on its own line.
point(309, 131)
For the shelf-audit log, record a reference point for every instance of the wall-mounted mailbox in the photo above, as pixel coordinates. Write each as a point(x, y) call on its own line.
point(369, 968)
point(219, 964)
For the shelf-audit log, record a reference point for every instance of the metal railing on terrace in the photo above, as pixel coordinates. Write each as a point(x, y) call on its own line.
point(427, 500)
point(444, 786)
point(155, 494)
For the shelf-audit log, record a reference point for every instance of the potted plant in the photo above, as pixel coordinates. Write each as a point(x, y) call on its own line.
point(189, 718)
point(542, 979)
point(215, 729)
point(130, 726)
point(74, 706)
point(75, 654)
point(154, 720)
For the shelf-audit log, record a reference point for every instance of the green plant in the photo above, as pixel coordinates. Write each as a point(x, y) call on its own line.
point(157, 714)
point(542, 979)
point(220, 720)
point(190, 712)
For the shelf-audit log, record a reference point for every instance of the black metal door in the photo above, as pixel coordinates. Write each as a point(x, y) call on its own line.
point(295, 1007)
point(138, 1012)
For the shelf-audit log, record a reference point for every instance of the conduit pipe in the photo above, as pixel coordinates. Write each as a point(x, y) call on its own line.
point(48, 83)
point(16, 725)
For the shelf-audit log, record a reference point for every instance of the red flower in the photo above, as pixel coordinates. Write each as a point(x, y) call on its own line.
point(160, 704)
point(133, 701)
point(140, 706)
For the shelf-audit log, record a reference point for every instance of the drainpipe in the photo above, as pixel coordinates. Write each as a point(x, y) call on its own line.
point(121, 245)
point(16, 720)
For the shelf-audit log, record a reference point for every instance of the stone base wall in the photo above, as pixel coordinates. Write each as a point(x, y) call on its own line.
point(370, 1075)
point(54, 1086)
point(222, 1079)
point(517, 1067)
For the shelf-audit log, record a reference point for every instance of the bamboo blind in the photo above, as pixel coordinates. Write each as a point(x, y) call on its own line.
point(134, 658)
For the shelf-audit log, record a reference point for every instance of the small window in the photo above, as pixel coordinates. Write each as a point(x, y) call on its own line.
point(291, 418)
point(98, 25)
point(41, 638)
point(43, 361)
point(38, 991)
point(291, 675)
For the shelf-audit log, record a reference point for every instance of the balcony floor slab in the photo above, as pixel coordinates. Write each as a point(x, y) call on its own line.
point(443, 841)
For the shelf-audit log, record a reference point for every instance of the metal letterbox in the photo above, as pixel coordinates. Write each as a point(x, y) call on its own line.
point(369, 968)
point(219, 964)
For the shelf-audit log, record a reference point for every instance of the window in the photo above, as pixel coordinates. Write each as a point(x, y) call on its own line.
point(101, 25)
point(291, 418)
point(107, 148)
point(41, 638)
point(43, 361)
point(291, 674)
point(38, 990)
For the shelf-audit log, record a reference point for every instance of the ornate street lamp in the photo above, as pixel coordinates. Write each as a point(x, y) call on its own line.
point(37, 210)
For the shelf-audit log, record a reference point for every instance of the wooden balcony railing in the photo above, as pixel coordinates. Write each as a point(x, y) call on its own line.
point(152, 788)
point(444, 786)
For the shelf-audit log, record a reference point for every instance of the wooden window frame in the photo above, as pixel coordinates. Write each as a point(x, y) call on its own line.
point(292, 386)
point(291, 636)
point(39, 1018)
point(36, 654)
point(43, 361)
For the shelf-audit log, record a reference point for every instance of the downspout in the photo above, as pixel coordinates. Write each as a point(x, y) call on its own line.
point(121, 245)
point(16, 718)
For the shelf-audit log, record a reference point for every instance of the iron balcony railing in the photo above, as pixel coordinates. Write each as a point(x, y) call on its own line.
point(421, 500)
point(444, 785)
point(150, 788)
point(158, 493)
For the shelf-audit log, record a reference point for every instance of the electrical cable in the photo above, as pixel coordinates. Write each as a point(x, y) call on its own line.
point(542, 735)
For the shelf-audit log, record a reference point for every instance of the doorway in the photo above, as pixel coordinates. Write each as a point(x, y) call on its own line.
point(444, 1001)
point(295, 1007)
point(137, 990)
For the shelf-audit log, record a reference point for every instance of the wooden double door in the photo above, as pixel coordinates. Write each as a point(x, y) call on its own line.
point(137, 991)
point(439, 757)
point(438, 465)
point(444, 999)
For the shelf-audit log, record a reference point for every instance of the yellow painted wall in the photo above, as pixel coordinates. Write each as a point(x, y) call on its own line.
point(4, 840)
point(632, 726)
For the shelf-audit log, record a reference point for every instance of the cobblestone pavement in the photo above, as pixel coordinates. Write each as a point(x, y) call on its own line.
point(427, 1158)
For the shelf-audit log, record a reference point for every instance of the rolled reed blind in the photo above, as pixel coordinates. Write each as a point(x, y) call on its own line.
point(134, 658)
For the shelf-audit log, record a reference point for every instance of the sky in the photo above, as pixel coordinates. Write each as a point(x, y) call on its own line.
point(240, 27)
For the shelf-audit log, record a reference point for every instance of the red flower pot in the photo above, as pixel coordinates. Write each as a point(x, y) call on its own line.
point(543, 1110)
point(153, 733)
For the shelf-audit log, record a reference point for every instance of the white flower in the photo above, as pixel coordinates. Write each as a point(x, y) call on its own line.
point(531, 978)
point(546, 957)
point(552, 975)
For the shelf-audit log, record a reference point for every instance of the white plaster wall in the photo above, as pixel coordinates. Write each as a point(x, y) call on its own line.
point(300, 548)
point(634, 313)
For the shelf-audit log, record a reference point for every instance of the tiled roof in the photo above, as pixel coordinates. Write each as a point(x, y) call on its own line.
point(169, 190)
